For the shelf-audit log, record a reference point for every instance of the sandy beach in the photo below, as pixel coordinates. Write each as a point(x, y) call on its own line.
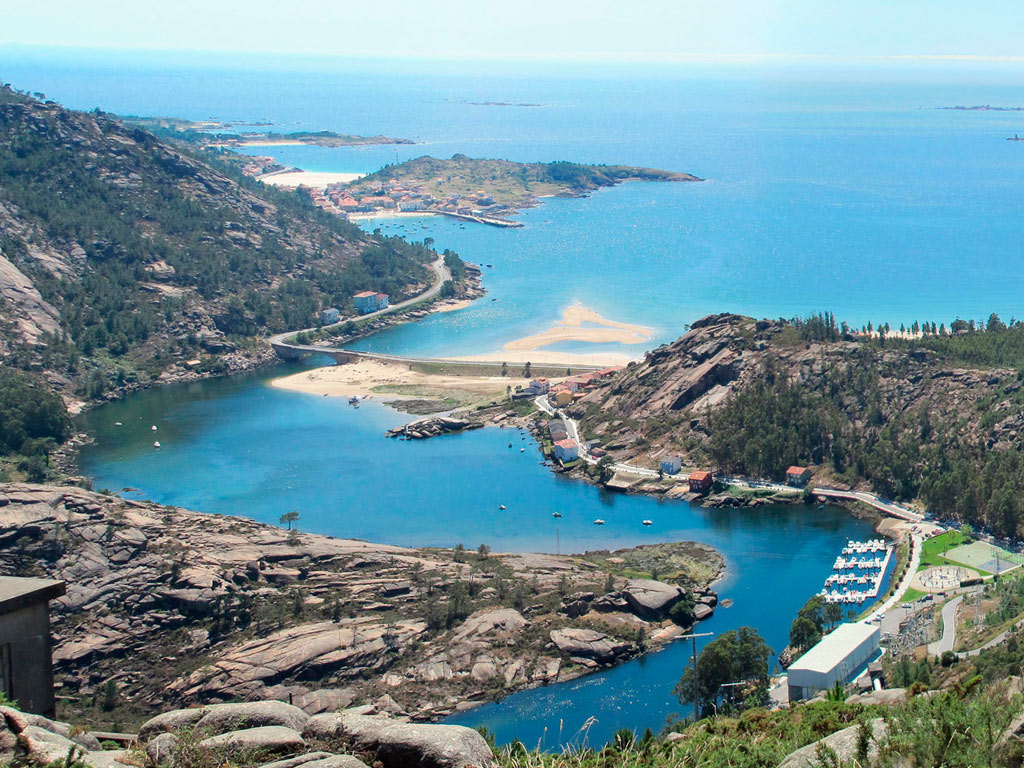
point(573, 329)
point(314, 179)
point(362, 377)
point(390, 213)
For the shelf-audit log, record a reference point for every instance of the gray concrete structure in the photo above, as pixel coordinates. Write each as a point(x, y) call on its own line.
point(26, 647)
point(837, 658)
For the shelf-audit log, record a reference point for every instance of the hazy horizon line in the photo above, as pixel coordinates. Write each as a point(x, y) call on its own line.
point(578, 58)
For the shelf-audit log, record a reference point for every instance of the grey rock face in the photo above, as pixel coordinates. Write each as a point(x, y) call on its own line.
point(268, 738)
point(406, 745)
point(650, 599)
point(844, 743)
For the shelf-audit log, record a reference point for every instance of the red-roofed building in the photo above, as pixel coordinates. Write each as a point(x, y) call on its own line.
point(701, 481)
point(370, 301)
point(567, 450)
point(798, 476)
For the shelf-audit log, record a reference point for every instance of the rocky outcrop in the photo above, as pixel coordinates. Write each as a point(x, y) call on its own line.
point(591, 644)
point(31, 739)
point(650, 599)
point(267, 739)
point(403, 745)
point(178, 606)
point(840, 748)
point(433, 427)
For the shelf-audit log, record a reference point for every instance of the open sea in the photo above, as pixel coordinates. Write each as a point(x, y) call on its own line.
point(827, 189)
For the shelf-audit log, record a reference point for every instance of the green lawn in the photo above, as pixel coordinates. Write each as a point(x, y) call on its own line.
point(932, 553)
point(911, 595)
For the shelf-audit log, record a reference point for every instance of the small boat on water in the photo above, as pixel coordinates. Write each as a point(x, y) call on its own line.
point(502, 507)
point(522, 450)
point(648, 522)
point(510, 445)
point(156, 444)
point(354, 400)
point(599, 521)
point(153, 428)
point(117, 423)
point(556, 514)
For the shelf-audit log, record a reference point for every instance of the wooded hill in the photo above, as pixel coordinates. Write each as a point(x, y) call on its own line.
point(123, 256)
point(939, 418)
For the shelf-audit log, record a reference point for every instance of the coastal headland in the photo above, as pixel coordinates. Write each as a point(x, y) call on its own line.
point(474, 189)
point(181, 606)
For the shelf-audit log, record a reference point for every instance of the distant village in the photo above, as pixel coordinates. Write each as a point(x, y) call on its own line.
point(377, 197)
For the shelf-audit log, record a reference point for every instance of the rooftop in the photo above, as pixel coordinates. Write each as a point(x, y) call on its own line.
point(566, 443)
point(834, 647)
point(700, 474)
point(795, 470)
point(17, 593)
point(363, 294)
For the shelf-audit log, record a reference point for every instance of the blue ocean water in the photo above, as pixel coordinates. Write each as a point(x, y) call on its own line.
point(826, 189)
point(238, 446)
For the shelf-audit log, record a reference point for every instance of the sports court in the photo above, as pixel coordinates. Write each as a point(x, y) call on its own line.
point(985, 557)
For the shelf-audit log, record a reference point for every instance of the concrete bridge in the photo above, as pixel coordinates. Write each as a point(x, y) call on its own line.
point(287, 350)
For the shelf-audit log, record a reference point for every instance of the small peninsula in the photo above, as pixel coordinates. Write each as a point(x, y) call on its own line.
point(480, 189)
point(191, 608)
point(216, 133)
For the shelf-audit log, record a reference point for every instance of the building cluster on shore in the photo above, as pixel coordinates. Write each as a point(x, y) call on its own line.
point(260, 165)
point(409, 196)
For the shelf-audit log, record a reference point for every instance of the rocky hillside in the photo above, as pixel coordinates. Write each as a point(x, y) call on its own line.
point(908, 419)
point(124, 257)
point(178, 606)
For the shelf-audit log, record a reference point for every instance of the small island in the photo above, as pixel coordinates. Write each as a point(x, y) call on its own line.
point(482, 190)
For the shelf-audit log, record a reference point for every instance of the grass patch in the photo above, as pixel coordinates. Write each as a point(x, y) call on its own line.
point(911, 595)
point(933, 551)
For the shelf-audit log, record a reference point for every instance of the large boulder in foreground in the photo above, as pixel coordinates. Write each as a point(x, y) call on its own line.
point(215, 719)
point(318, 760)
point(591, 644)
point(265, 739)
point(221, 718)
point(405, 745)
point(842, 743)
point(649, 599)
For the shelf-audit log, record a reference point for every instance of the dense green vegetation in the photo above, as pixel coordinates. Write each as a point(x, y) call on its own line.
point(842, 419)
point(732, 673)
point(161, 240)
point(32, 422)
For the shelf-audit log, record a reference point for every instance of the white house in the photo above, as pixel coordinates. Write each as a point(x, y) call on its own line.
point(540, 386)
point(567, 450)
point(671, 465)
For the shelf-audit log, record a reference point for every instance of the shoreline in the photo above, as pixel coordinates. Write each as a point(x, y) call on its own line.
point(313, 179)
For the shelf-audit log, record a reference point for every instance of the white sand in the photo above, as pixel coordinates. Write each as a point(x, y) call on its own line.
point(361, 377)
point(572, 329)
point(313, 179)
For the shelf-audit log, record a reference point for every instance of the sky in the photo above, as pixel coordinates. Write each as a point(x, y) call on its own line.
point(582, 30)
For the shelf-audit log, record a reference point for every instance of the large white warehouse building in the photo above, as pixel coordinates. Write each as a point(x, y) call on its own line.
point(839, 656)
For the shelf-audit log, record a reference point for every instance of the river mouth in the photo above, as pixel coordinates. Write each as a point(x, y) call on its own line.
point(236, 445)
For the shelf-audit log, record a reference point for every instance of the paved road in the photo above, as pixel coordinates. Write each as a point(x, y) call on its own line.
point(895, 510)
point(948, 639)
point(915, 562)
point(441, 273)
